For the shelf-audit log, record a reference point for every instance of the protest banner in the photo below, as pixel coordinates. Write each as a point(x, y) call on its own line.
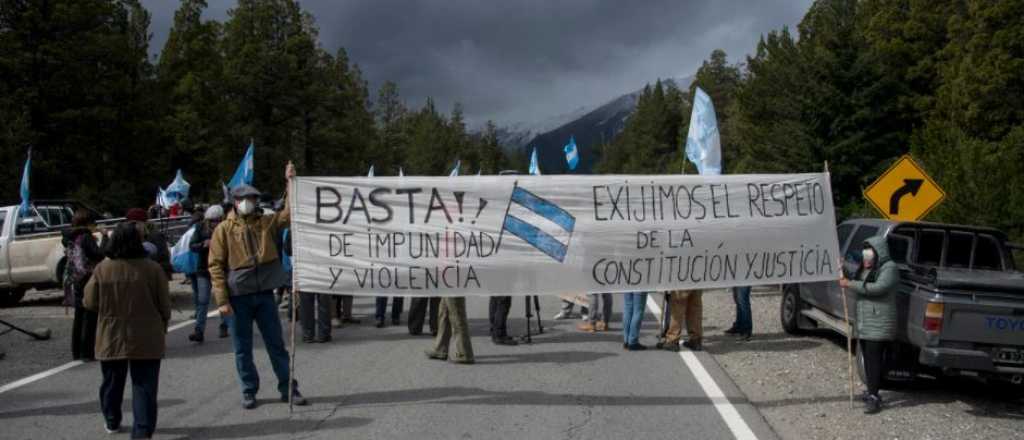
point(528, 235)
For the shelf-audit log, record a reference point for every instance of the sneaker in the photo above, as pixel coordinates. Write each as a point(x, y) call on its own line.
point(563, 315)
point(731, 331)
point(380, 323)
point(435, 355)
point(636, 347)
point(336, 323)
point(196, 337)
point(297, 398)
point(695, 346)
point(248, 401)
point(584, 317)
point(872, 405)
point(586, 326)
point(111, 429)
point(601, 326)
point(224, 332)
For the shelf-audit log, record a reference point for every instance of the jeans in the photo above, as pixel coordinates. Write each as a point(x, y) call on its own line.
point(315, 315)
point(498, 308)
point(201, 289)
point(396, 307)
point(145, 383)
point(606, 307)
point(632, 316)
point(83, 334)
point(261, 308)
point(744, 322)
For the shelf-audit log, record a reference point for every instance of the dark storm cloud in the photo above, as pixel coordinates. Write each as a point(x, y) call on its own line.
point(525, 60)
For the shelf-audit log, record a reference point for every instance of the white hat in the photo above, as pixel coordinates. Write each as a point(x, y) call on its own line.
point(214, 212)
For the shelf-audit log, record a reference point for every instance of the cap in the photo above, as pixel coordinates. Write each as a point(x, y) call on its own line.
point(242, 191)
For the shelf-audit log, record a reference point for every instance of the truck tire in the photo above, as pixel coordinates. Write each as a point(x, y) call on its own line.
point(11, 297)
point(789, 309)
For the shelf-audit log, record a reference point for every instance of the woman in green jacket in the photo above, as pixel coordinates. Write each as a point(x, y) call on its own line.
point(875, 284)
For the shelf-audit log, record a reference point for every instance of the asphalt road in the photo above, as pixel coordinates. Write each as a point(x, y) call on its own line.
point(376, 383)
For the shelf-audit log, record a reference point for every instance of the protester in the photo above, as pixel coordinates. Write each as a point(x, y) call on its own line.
point(598, 322)
point(684, 305)
point(382, 310)
point(201, 287)
point(81, 255)
point(743, 326)
point(632, 317)
point(498, 308)
point(423, 309)
point(452, 325)
point(343, 311)
point(130, 295)
point(245, 268)
point(875, 285)
point(150, 234)
point(314, 308)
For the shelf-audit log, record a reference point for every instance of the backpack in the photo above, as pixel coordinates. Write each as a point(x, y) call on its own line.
point(77, 270)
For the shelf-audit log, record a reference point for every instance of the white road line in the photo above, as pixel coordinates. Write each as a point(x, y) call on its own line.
point(40, 376)
point(732, 417)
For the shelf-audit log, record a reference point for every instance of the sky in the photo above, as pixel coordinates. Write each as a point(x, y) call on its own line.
point(524, 61)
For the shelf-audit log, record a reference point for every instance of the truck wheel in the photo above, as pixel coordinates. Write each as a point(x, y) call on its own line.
point(11, 297)
point(789, 309)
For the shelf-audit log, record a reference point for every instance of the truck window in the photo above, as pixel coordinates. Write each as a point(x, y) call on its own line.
point(959, 250)
point(987, 255)
point(853, 250)
point(899, 247)
point(929, 247)
point(3, 220)
point(843, 232)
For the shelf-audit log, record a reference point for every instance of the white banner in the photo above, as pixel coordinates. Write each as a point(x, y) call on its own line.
point(526, 235)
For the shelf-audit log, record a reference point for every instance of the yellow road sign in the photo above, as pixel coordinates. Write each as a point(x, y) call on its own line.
point(904, 192)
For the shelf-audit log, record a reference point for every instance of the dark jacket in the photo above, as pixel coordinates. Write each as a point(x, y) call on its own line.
point(199, 246)
point(163, 252)
point(90, 250)
point(876, 294)
point(132, 301)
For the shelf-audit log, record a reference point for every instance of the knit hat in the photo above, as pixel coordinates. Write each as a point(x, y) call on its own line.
point(214, 212)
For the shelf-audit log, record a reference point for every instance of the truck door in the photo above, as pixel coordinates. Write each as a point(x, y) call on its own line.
point(5, 240)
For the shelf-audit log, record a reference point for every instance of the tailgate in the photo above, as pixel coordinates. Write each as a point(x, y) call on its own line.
point(984, 320)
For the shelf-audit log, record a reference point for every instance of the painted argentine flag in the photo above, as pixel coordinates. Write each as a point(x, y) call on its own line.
point(539, 222)
point(572, 154)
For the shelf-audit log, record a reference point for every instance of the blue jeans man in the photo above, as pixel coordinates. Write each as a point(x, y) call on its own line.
point(201, 300)
point(744, 325)
point(261, 309)
point(632, 316)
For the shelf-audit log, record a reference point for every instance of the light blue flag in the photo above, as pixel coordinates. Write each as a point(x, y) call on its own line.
point(370, 174)
point(178, 189)
point(572, 154)
point(534, 164)
point(703, 145)
point(245, 171)
point(23, 209)
point(455, 171)
point(400, 173)
point(163, 199)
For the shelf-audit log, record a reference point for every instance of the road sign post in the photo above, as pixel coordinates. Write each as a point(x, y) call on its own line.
point(904, 192)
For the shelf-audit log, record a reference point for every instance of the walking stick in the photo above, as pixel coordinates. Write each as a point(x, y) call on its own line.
point(291, 366)
point(849, 339)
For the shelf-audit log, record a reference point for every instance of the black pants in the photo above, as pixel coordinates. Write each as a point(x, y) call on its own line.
point(397, 303)
point(145, 383)
point(873, 354)
point(418, 313)
point(315, 315)
point(83, 334)
point(343, 306)
point(498, 314)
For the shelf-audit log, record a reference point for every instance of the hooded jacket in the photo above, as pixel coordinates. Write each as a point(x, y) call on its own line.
point(132, 301)
point(876, 290)
point(244, 256)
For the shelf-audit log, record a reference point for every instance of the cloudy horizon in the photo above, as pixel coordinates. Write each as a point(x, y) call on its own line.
point(525, 61)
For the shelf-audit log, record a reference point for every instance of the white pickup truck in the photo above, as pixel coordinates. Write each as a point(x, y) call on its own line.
point(31, 252)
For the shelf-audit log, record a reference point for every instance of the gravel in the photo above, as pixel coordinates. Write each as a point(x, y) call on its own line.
point(799, 384)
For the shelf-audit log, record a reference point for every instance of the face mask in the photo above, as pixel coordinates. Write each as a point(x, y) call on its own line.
point(246, 207)
point(868, 255)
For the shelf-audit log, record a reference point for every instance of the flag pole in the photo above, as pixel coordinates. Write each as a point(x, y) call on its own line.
point(849, 329)
point(291, 367)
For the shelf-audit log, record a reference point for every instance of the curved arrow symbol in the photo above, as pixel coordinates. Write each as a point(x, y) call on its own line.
point(910, 186)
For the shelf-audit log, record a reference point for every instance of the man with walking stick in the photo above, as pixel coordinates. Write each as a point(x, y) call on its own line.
point(245, 268)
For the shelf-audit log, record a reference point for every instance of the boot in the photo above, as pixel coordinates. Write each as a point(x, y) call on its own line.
point(196, 336)
point(586, 326)
point(872, 405)
point(601, 326)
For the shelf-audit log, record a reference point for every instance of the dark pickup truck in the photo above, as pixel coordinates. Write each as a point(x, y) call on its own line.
point(961, 300)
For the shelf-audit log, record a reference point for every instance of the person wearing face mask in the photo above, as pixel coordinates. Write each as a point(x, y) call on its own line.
point(875, 285)
point(201, 287)
point(245, 268)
